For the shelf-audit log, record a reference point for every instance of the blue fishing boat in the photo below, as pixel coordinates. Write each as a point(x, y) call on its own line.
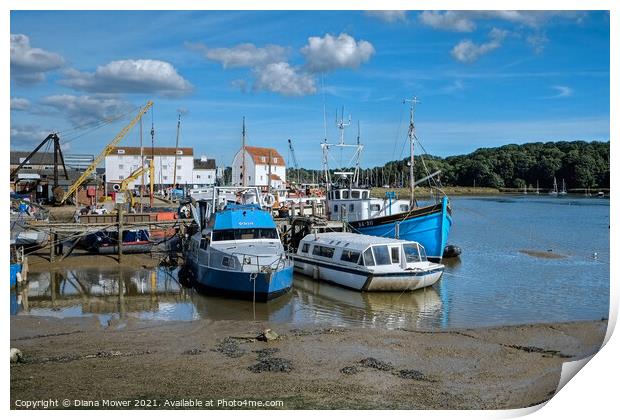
point(237, 249)
point(389, 216)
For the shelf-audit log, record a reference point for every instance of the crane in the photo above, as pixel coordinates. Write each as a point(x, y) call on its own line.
point(150, 168)
point(53, 138)
point(106, 151)
point(292, 150)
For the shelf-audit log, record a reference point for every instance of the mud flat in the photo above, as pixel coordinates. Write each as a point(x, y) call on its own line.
point(314, 367)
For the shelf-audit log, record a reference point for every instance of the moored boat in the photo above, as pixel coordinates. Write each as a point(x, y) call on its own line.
point(135, 241)
point(237, 250)
point(366, 263)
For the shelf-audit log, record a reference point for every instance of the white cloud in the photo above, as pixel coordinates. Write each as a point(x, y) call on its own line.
point(450, 20)
point(331, 53)
point(284, 79)
point(467, 51)
point(537, 41)
point(561, 92)
point(87, 109)
point(28, 64)
point(130, 76)
point(389, 16)
point(26, 135)
point(465, 21)
point(243, 55)
point(19, 104)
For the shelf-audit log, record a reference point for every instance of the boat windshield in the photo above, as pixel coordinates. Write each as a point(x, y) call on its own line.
point(382, 255)
point(240, 234)
point(412, 254)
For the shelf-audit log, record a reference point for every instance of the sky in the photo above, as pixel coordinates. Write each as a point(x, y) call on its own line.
point(484, 79)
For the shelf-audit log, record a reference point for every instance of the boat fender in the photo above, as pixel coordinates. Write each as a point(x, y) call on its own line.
point(451, 251)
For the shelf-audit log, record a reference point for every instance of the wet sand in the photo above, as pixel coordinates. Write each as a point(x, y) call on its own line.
point(314, 367)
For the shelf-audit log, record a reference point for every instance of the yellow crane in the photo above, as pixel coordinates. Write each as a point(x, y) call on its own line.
point(133, 176)
point(106, 151)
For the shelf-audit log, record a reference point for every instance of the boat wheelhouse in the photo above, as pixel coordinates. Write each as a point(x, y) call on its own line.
point(366, 263)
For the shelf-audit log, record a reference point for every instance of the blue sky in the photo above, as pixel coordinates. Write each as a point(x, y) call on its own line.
point(484, 78)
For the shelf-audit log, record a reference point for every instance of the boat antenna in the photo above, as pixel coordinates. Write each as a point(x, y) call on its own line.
point(243, 152)
point(412, 137)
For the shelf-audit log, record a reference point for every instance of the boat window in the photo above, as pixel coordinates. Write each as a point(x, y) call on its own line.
point(305, 247)
point(203, 243)
point(365, 195)
point(335, 208)
point(422, 253)
point(395, 255)
point(345, 194)
point(351, 207)
point(350, 256)
point(239, 234)
point(228, 262)
point(369, 261)
point(355, 194)
point(337, 195)
point(411, 253)
point(404, 207)
point(382, 255)
point(375, 207)
point(323, 251)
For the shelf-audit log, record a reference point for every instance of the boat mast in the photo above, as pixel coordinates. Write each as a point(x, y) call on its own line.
point(176, 153)
point(243, 183)
point(411, 136)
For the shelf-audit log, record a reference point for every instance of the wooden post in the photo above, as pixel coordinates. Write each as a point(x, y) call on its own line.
point(120, 233)
point(52, 245)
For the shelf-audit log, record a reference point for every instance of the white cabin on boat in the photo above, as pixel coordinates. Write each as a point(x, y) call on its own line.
point(364, 262)
point(356, 204)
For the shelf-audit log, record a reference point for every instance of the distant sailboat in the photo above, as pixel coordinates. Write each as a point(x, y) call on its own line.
point(537, 189)
point(563, 192)
point(555, 187)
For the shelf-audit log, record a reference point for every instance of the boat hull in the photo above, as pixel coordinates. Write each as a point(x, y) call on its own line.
point(367, 281)
point(240, 284)
point(428, 225)
point(15, 269)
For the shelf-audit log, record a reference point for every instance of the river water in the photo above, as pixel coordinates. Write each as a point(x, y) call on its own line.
point(505, 276)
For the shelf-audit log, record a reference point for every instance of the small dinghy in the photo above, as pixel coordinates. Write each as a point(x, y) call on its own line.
point(366, 263)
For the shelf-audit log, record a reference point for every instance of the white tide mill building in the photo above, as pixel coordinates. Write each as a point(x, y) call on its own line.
point(260, 162)
point(122, 161)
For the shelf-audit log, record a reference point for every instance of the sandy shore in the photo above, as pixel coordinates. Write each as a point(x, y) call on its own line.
point(315, 367)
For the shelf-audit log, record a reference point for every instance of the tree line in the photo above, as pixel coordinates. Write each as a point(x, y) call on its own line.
point(580, 164)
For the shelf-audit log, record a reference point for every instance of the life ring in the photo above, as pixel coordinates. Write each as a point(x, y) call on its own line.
point(116, 187)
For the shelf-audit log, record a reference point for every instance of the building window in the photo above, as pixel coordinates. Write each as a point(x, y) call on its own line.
point(250, 177)
point(164, 167)
point(121, 177)
point(178, 166)
point(121, 167)
point(165, 178)
point(209, 176)
point(179, 152)
point(121, 151)
point(261, 177)
point(275, 160)
point(262, 159)
point(178, 177)
point(197, 176)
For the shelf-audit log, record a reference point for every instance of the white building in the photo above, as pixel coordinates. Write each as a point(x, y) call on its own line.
point(204, 172)
point(260, 162)
point(122, 161)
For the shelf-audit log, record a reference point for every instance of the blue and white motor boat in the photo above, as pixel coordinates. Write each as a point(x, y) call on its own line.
point(237, 250)
point(366, 263)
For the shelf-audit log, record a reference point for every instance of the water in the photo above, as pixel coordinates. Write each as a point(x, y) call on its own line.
point(493, 283)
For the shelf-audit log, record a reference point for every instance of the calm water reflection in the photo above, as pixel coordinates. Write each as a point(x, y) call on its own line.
point(492, 284)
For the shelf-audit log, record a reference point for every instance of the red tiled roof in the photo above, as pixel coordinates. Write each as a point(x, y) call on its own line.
point(258, 153)
point(157, 151)
point(275, 177)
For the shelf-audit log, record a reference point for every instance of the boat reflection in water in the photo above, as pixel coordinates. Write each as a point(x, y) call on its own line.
point(327, 303)
point(156, 294)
